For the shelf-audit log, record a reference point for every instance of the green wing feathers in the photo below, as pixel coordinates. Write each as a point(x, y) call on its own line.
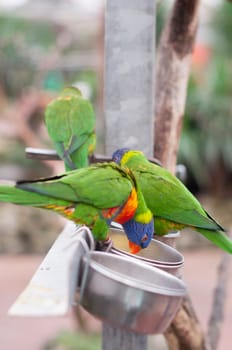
point(69, 114)
point(172, 204)
point(92, 185)
point(78, 157)
point(169, 199)
point(81, 195)
point(70, 121)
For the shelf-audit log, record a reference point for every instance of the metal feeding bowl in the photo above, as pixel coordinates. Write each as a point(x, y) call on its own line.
point(157, 254)
point(169, 239)
point(128, 293)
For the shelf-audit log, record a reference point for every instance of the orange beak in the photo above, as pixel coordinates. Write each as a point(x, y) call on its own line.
point(134, 248)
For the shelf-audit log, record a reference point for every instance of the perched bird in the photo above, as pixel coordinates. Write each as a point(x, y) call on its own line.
point(70, 122)
point(171, 203)
point(92, 196)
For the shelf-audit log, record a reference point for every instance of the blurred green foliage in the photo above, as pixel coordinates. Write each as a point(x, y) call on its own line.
point(41, 33)
point(206, 141)
point(222, 27)
point(74, 341)
point(161, 16)
point(21, 42)
point(35, 56)
point(25, 45)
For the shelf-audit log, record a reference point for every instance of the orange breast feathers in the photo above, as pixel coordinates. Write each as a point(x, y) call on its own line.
point(125, 212)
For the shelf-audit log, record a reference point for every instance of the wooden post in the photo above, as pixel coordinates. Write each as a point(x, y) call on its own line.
point(172, 73)
point(173, 62)
point(129, 96)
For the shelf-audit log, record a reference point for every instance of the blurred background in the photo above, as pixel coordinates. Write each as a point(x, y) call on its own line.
point(46, 45)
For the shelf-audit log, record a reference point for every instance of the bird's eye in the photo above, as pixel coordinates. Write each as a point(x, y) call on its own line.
point(145, 238)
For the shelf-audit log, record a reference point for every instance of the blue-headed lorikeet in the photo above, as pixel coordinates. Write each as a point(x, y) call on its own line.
point(172, 204)
point(92, 196)
point(70, 122)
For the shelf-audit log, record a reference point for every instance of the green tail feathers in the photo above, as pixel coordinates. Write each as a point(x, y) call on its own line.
point(77, 156)
point(12, 194)
point(219, 238)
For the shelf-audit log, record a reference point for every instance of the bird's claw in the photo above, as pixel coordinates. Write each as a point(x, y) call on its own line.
point(104, 246)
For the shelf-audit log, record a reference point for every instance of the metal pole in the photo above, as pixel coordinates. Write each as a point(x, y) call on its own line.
point(118, 339)
point(129, 65)
point(129, 96)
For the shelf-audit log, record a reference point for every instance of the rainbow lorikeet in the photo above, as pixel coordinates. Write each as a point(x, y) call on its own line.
point(70, 122)
point(171, 203)
point(92, 196)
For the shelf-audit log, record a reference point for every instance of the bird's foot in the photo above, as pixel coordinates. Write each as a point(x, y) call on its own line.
point(105, 245)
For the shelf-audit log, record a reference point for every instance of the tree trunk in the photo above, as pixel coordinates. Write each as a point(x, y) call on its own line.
point(172, 72)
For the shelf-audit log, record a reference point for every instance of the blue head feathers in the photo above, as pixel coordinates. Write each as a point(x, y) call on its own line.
point(119, 153)
point(139, 233)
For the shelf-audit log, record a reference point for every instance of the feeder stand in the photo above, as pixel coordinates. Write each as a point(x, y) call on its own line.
point(129, 97)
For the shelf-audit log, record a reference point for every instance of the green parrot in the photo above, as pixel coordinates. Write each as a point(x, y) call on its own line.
point(70, 122)
point(92, 196)
point(171, 203)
